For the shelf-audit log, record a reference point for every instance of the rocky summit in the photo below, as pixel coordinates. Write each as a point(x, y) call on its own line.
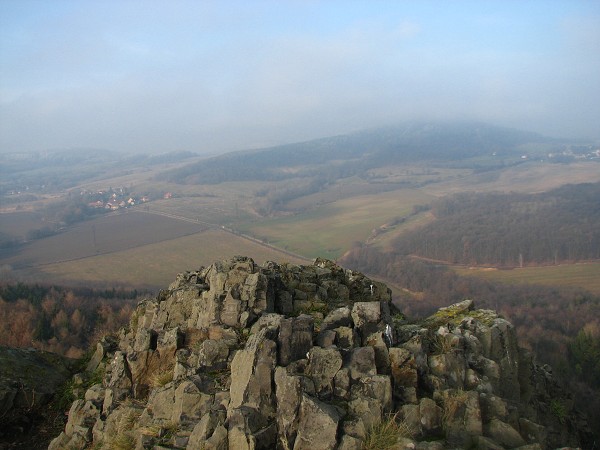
point(279, 356)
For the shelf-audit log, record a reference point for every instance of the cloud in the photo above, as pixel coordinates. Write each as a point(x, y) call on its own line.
point(229, 77)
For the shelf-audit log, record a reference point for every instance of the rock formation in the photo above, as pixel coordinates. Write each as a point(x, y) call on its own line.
point(241, 356)
point(29, 381)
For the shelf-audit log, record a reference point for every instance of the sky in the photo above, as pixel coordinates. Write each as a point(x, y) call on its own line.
point(156, 76)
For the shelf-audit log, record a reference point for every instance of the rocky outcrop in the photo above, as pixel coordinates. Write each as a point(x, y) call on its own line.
point(241, 356)
point(29, 379)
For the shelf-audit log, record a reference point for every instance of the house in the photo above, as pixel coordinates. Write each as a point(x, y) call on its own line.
point(112, 205)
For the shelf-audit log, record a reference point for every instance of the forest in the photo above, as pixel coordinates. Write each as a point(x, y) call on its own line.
point(511, 230)
point(59, 319)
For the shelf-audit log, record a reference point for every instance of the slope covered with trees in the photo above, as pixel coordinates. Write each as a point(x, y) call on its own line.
point(511, 229)
point(58, 319)
point(354, 154)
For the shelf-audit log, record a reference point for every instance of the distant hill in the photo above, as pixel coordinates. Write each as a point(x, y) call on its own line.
point(352, 154)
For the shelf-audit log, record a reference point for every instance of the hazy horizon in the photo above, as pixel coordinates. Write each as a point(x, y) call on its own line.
point(207, 77)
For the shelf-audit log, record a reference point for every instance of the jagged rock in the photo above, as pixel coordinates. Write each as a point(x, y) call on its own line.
point(462, 417)
point(341, 384)
point(349, 443)
point(503, 434)
point(323, 365)
point(340, 317)
point(382, 357)
point(212, 355)
point(289, 390)
point(532, 432)
point(241, 356)
point(295, 338)
point(451, 367)
point(492, 407)
point(346, 337)
point(431, 416)
point(317, 425)
point(28, 381)
point(361, 362)
point(371, 399)
point(403, 368)
point(107, 344)
point(485, 443)
point(366, 317)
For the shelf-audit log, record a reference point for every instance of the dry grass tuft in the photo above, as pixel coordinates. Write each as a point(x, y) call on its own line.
point(384, 435)
point(162, 377)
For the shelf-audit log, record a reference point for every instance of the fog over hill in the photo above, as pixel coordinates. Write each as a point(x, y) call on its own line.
point(349, 154)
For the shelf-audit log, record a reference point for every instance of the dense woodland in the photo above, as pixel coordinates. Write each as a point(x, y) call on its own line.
point(61, 320)
point(562, 225)
point(560, 325)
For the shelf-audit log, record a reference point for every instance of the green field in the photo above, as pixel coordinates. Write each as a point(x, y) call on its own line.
point(584, 275)
point(330, 229)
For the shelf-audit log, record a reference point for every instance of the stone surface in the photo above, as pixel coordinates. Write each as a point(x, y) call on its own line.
point(241, 356)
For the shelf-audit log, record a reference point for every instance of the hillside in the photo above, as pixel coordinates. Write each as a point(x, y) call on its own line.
point(313, 357)
point(342, 156)
point(497, 229)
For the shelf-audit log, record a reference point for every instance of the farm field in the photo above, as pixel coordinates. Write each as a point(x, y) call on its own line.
point(18, 224)
point(584, 275)
point(530, 177)
point(329, 230)
point(106, 234)
point(156, 265)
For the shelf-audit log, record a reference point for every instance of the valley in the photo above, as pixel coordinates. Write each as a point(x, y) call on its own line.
point(282, 207)
point(438, 225)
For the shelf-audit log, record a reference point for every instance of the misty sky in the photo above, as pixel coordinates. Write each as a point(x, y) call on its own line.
point(158, 76)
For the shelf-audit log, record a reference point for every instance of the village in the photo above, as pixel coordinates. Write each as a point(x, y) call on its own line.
point(117, 198)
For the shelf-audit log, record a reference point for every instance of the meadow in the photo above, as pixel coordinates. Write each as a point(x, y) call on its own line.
point(330, 229)
point(584, 275)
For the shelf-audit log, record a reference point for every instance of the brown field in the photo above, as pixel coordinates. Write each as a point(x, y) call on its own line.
point(157, 264)
point(106, 234)
point(584, 275)
point(18, 224)
point(531, 177)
